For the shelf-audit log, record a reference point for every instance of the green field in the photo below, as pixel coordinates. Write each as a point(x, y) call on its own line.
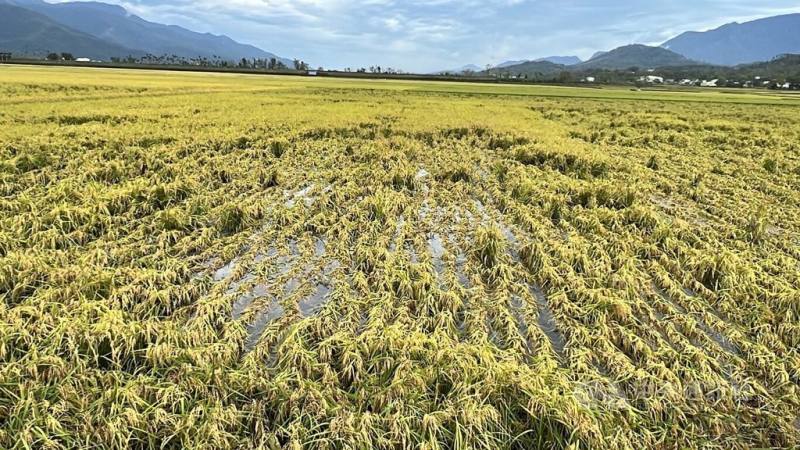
point(215, 261)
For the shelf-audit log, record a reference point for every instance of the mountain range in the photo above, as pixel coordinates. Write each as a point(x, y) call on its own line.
point(735, 43)
point(622, 58)
point(635, 55)
point(729, 45)
point(563, 60)
point(101, 31)
point(27, 32)
point(544, 63)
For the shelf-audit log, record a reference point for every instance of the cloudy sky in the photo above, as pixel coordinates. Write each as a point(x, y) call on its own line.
point(428, 35)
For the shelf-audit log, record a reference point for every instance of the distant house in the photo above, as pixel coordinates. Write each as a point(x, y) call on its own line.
point(786, 86)
point(589, 79)
point(652, 79)
point(707, 83)
point(83, 60)
point(5, 56)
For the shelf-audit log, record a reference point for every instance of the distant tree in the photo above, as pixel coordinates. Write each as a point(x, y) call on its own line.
point(67, 57)
point(244, 63)
point(53, 57)
point(300, 65)
point(564, 77)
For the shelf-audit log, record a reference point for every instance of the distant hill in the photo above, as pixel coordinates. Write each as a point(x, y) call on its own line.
point(460, 70)
point(23, 31)
point(734, 43)
point(114, 25)
point(565, 60)
point(510, 63)
point(635, 56)
point(597, 54)
point(784, 67)
point(530, 69)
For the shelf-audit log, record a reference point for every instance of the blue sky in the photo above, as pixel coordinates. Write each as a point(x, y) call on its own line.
point(428, 35)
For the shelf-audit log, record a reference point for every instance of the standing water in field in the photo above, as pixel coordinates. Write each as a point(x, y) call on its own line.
point(436, 251)
point(244, 301)
point(312, 304)
point(273, 312)
point(547, 322)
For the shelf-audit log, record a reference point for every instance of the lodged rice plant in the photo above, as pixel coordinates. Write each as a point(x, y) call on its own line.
point(237, 262)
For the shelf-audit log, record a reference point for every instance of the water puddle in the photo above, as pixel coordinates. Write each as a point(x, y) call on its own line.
point(617, 392)
point(319, 247)
point(424, 211)
point(512, 242)
point(244, 301)
point(719, 338)
point(254, 331)
point(412, 253)
point(237, 284)
point(331, 267)
point(723, 341)
point(313, 303)
point(664, 296)
point(517, 310)
point(291, 286)
point(482, 210)
point(302, 194)
point(363, 322)
point(401, 221)
point(436, 250)
point(261, 256)
point(492, 333)
point(547, 321)
point(461, 275)
point(225, 271)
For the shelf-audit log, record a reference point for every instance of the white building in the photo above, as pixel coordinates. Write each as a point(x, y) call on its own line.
point(712, 83)
point(83, 60)
point(652, 79)
point(589, 79)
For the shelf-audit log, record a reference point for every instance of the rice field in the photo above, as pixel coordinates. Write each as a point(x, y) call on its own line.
point(196, 261)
